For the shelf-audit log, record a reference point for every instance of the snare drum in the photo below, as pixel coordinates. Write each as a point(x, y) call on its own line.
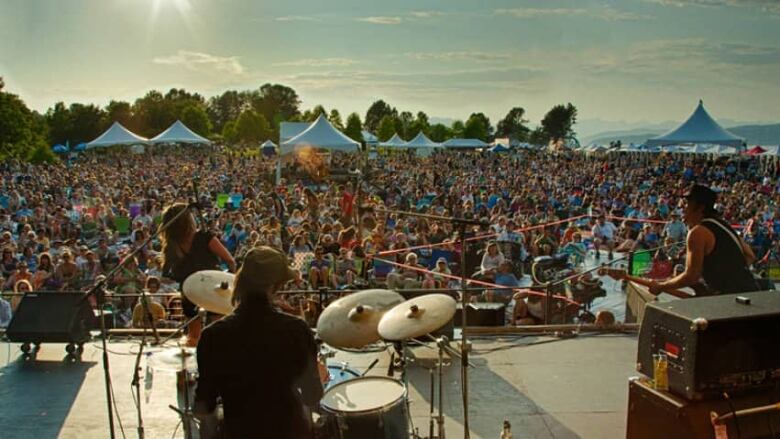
point(367, 407)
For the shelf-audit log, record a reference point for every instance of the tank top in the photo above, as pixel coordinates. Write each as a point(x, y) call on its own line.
point(199, 257)
point(725, 270)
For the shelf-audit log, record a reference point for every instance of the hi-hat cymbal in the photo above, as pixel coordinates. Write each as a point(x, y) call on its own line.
point(175, 359)
point(417, 317)
point(211, 290)
point(351, 322)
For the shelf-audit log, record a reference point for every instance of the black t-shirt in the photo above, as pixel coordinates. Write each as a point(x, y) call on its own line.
point(198, 258)
point(725, 270)
point(263, 364)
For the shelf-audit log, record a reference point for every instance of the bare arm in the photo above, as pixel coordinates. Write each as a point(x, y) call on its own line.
point(750, 257)
point(218, 249)
point(699, 240)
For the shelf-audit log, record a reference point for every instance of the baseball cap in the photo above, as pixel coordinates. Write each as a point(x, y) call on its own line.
point(701, 195)
point(266, 262)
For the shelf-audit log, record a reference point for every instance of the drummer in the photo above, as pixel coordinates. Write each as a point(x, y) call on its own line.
point(261, 362)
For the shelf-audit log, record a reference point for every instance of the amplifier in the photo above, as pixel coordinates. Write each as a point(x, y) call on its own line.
point(654, 414)
point(51, 317)
point(481, 314)
point(714, 344)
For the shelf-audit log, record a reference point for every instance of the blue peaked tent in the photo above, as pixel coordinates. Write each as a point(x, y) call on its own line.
point(499, 148)
point(699, 128)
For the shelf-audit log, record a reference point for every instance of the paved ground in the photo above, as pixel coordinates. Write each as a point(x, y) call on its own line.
point(547, 388)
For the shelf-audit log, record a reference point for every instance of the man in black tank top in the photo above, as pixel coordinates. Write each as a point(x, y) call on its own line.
point(715, 254)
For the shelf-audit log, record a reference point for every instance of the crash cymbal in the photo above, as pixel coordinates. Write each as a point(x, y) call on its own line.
point(351, 322)
point(211, 290)
point(417, 317)
point(175, 360)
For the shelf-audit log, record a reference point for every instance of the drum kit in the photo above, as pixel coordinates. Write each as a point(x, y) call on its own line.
point(353, 405)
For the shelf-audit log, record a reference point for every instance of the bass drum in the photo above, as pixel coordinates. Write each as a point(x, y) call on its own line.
point(367, 407)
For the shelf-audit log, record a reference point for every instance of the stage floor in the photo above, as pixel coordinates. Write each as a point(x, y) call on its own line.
point(546, 387)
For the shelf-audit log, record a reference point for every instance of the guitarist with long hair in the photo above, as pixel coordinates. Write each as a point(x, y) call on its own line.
point(715, 253)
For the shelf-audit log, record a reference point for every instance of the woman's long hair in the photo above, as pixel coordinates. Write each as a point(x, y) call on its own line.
point(173, 237)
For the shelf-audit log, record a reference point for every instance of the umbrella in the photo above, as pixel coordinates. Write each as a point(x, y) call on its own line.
point(60, 149)
point(80, 147)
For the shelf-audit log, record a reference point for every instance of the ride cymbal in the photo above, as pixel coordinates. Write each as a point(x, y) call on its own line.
point(351, 322)
point(417, 317)
point(211, 290)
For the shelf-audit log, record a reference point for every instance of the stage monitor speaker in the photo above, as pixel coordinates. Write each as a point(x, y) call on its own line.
point(481, 314)
point(714, 344)
point(51, 317)
point(655, 414)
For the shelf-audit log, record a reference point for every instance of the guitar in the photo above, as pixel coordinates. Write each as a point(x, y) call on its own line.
point(620, 274)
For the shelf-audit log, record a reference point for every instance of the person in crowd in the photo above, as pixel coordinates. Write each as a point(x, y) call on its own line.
point(319, 267)
point(344, 271)
point(604, 234)
point(407, 276)
point(491, 260)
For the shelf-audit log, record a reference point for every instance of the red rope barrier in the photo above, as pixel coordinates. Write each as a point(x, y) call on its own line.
point(478, 282)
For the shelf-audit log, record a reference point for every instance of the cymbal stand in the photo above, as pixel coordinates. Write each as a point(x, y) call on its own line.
point(200, 315)
point(441, 342)
point(183, 376)
point(430, 412)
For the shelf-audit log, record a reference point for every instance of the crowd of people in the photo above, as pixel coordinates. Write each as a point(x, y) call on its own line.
point(63, 225)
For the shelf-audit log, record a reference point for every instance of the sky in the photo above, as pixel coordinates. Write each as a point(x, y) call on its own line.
point(627, 61)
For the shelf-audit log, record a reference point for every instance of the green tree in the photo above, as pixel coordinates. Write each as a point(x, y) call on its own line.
point(252, 128)
point(421, 123)
point(60, 124)
point(376, 112)
point(335, 119)
point(120, 111)
point(41, 153)
point(277, 100)
point(478, 127)
point(226, 107)
point(354, 128)
point(386, 128)
point(439, 132)
point(86, 123)
point(196, 119)
point(513, 125)
point(538, 137)
point(558, 122)
point(457, 129)
point(229, 133)
point(17, 127)
point(403, 125)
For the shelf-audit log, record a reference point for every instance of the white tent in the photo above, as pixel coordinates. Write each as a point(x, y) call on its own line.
point(772, 150)
point(321, 134)
point(369, 138)
point(394, 142)
point(422, 141)
point(699, 128)
point(288, 130)
point(117, 135)
point(465, 144)
point(178, 133)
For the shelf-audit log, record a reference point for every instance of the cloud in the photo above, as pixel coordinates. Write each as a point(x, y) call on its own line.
point(427, 14)
point(463, 55)
point(296, 18)
point(202, 61)
point(318, 62)
point(605, 13)
point(772, 6)
point(381, 20)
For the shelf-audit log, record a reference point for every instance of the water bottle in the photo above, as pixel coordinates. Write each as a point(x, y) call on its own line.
point(148, 379)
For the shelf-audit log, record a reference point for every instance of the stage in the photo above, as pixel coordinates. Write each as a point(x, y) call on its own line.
point(545, 386)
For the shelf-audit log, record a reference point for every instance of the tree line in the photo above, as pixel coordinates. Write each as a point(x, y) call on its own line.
point(245, 118)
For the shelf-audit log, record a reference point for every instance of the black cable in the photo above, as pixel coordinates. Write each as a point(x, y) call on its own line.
point(176, 429)
point(733, 412)
point(116, 409)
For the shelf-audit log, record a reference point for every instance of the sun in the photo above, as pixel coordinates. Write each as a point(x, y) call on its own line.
point(162, 7)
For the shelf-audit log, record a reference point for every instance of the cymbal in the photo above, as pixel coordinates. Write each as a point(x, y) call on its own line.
point(211, 290)
point(351, 322)
point(175, 360)
point(417, 317)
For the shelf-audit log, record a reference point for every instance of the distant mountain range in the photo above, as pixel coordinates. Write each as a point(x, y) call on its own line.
point(754, 135)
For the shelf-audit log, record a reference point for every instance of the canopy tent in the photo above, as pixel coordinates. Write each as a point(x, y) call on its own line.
point(464, 144)
point(394, 142)
point(80, 147)
point(772, 151)
point(178, 133)
point(117, 135)
point(699, 128)
point(321, 134)
point(268, 148)
point(369, 138)
point(60, 149)
point(422, 141)
point(756, 150)
point(288, 130)
point(499, 148)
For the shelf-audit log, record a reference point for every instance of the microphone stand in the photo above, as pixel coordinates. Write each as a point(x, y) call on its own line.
point(100, 298)
point(137, 377)
point(462, 224)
